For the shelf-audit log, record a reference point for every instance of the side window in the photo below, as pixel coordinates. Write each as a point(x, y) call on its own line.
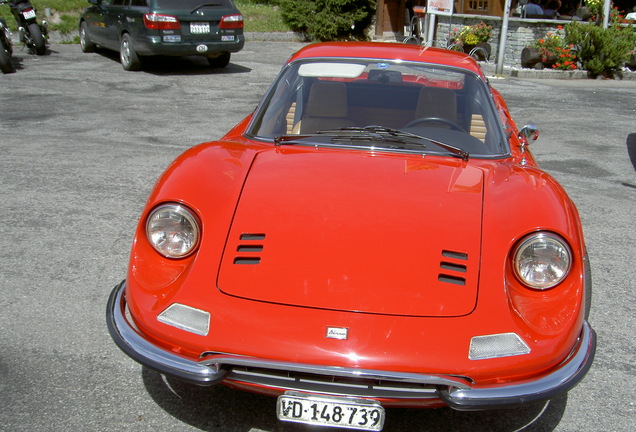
point(142, 3)
point(120, 2)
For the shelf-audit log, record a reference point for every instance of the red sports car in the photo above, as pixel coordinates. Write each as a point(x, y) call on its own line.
point(376, 233)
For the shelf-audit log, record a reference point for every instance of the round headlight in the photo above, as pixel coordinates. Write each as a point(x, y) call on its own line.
point(542, 261)
point(173, 230)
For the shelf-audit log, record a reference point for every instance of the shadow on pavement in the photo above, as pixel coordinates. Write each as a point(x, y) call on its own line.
point(191, 65)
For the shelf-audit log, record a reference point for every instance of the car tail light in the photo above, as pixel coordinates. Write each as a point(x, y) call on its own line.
point(156, 21)
point(231, 22)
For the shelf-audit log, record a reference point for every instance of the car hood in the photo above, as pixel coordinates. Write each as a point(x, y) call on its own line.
point(353, 231)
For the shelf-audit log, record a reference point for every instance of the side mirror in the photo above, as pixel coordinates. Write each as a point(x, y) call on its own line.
point(528, 132)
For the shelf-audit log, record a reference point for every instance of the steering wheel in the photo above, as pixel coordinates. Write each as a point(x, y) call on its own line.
point(447, 122)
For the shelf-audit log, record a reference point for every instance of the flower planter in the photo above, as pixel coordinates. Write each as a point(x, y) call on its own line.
point(480, 54)
point(464, 40)
point(531, 58)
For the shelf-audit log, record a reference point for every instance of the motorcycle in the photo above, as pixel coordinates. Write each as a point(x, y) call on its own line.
point(6, 48)
point(32, 34)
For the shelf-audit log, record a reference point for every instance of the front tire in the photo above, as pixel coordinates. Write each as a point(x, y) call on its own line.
point(5, 60)
point(127, 54)
point(85, 41)
point(39, 44)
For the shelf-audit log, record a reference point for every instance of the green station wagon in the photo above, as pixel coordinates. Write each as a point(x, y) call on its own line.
point(138, 28)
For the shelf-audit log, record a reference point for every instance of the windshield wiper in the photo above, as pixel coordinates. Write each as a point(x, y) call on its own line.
point(380, 131)
point(204, 5)
point(384, 132)
point(374, 134)
point(349, 135)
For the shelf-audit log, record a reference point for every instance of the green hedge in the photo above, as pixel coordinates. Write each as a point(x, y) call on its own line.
point(601, 51)
point(329, 20)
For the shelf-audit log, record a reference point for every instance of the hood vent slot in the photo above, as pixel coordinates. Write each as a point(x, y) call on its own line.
point(452, 271)
point(252, 236)
point(249, 249)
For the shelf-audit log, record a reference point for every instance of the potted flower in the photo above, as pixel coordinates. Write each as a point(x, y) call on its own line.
point(469, 37)
point(551, 51)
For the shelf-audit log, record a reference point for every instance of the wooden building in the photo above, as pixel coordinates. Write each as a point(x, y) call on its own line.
point(391, 14)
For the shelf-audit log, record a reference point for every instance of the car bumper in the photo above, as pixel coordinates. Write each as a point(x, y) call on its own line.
point(154, 45)
point(455, 392)
point(568, 375)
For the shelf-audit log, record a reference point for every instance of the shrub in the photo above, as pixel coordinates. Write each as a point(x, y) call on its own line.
point(471, 35)
point(554, 50)
point(329, 20)
point(601, 51)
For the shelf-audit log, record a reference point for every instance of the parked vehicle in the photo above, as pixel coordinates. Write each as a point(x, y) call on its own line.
point(6, 48)
point(377, 233)
point(139, 28)
point(33, 34)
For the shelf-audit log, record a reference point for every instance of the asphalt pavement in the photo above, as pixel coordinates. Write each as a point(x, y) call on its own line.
point(81, 144)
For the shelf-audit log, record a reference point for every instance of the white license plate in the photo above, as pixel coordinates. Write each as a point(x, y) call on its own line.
point(29, 14)
point(199, 28)
point(328, 411)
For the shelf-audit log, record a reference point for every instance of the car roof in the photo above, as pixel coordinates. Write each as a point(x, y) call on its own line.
point(390, 51)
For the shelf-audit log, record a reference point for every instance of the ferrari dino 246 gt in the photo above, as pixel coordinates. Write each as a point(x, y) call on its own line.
point(375, 234)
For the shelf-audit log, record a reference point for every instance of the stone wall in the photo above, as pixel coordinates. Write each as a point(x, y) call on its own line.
point(521, 33)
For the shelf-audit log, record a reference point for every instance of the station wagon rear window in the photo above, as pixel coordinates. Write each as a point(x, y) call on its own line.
point(192, 4)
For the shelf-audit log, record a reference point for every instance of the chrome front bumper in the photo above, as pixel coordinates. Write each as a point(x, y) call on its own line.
point(568, 375)
point(456, 392)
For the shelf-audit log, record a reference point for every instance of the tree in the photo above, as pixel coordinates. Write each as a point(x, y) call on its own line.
point(329, 20)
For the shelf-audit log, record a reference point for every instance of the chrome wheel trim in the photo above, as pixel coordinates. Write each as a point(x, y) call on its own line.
point(125, 51)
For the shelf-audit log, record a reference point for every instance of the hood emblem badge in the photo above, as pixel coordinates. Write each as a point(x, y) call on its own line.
point(341, 333)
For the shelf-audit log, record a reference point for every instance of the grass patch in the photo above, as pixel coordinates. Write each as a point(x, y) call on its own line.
point(261, 17)
point(65, 15)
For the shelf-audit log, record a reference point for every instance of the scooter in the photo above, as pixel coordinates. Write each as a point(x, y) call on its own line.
point(32, 34)
point(6, 48)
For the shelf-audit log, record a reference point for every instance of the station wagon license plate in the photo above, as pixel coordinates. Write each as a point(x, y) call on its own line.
point(199, 27)
point(330, 411)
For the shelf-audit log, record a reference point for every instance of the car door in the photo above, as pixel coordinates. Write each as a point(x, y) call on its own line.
point(96, 21)
point(114, 18)
point(135, 18)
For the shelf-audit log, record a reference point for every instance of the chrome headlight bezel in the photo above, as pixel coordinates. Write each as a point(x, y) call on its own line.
point(542, 260)
point(173, 230)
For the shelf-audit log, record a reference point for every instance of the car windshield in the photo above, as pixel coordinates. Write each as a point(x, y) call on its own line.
point(401, 106)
